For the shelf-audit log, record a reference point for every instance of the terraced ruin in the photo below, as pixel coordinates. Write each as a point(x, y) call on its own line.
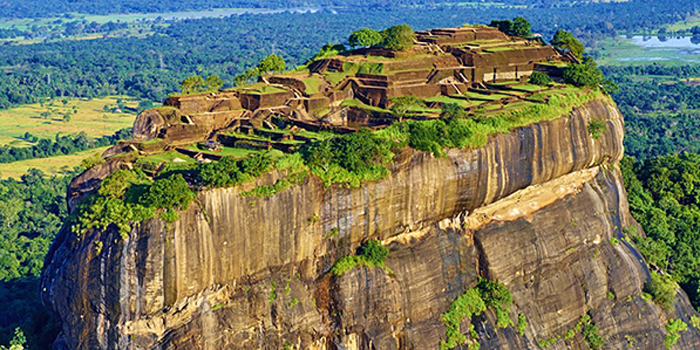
point(480, 69)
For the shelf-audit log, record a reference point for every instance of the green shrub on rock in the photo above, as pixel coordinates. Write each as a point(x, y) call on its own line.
point(673, 327)
point(662, 289)
point(169, 193)
point(371, 254)
point(539, 78)
point(474, 301)
point(595, 127)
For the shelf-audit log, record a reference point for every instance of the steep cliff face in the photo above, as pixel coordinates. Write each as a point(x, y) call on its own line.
point(534, 209)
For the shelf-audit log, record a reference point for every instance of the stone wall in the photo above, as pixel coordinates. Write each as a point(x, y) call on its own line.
point(205, 102)
point(251, 101)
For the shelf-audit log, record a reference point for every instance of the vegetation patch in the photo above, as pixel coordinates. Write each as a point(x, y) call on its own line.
point(588, 74)
point(371, 254)
point(695, 321)
point(296, 171)
point(673, 328)
point(486, 294)
point(590, 333)
point(595, 127)
point(585, 328)
point(662, 290)
point(522, 324)
point(455, 130)
point(350, 159)
point(541, 79)
point(129, 195)
point(662, 197)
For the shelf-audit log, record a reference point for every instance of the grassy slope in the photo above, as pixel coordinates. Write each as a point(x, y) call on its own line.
point(91, 118)
point(51, 166)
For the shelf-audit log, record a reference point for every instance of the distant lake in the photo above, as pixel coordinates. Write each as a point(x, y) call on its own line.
point(648, 49)
point(668, 42)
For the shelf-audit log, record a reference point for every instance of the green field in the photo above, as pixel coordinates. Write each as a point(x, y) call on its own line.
point(446, 99)
point(24, 23)
point(478, 96)
point(51, 166)
point(90, 118)
point(139, 23)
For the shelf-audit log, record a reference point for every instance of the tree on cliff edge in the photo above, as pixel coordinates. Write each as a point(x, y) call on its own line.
point(588, 74)
point(566, 42)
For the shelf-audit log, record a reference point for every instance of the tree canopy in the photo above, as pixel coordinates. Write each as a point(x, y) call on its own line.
point(659, 107)
point(399, 37)
point(566, 42)
point(271, 64)
point(539, 78)
point(328, 50)
point(196, 84)
point(519, 26)
point(664, 199)
point(365, 37)
point(588, 74)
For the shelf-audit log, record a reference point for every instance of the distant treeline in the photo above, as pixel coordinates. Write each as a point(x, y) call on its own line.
point(62, 145)
point(154, 66)
point(48, 8)
point(686, 71)
point(60, 29)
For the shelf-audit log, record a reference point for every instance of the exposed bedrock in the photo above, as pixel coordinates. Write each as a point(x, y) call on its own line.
point(534, 209)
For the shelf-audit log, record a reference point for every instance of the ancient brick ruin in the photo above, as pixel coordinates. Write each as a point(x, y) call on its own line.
point(475, 67)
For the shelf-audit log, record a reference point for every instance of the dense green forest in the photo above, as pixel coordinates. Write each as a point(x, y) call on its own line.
point(661, 108)
point(32, 210)
point(664, 197)
point(151, 67)
point(60, 28)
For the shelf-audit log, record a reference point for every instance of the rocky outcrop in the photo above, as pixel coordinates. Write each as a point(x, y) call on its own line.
point(534, 209)
point(148, 123)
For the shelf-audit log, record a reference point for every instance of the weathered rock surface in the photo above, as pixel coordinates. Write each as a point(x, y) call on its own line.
point(534, 209)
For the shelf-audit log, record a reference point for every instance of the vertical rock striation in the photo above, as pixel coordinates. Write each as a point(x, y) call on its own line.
point(534, 209)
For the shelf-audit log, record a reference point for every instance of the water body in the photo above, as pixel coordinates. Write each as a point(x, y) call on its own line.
point(665, 48)
point(666, 42)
